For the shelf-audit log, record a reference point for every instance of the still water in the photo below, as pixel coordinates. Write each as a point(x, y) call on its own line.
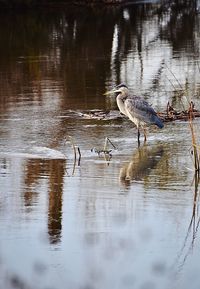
point(126, 221)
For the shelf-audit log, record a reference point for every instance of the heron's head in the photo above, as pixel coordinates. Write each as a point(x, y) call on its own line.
point(119, 89)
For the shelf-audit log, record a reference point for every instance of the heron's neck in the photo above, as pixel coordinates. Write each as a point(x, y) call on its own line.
point(120, 103)
point(123, 95)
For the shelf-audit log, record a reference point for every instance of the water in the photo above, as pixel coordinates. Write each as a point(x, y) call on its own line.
point(120, 221)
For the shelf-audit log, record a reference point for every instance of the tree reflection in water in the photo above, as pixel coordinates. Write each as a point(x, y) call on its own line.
point(54, 170)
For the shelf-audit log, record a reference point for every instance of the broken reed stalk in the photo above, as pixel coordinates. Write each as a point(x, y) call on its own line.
point(195, 200)
point(174, 76)
point(190, 119)
point(194, 142)
point(74, 149)
point(75, 155)
point(107, 140)
point(79, 159)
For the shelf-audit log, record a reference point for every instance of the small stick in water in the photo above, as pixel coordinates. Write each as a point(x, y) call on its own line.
point(79, 159)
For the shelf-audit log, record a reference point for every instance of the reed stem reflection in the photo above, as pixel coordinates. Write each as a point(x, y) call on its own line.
point(192, 231)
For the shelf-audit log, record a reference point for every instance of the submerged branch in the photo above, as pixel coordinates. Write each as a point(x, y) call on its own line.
point(172, 114)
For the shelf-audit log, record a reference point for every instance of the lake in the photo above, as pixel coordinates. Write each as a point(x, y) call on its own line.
point(71, 217)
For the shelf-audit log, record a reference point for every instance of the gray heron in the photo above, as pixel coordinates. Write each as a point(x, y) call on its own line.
point(136, 109)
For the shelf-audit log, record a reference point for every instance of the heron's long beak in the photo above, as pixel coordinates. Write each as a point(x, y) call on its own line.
point(112, 91)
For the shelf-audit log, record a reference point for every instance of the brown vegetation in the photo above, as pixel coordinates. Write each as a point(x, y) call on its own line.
point(172, 114)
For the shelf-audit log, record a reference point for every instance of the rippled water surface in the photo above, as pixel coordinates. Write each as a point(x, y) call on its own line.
point(128, 219)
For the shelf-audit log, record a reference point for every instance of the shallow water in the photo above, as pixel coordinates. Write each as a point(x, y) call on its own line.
point(124, 220)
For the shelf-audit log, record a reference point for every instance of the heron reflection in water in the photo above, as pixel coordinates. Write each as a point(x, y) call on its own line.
point(136, 109)
point(142, 161)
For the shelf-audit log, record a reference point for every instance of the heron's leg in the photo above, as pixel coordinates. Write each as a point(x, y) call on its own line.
point(138, 137)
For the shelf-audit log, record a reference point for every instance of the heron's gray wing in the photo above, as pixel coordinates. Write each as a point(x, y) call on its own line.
point(140, 109)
